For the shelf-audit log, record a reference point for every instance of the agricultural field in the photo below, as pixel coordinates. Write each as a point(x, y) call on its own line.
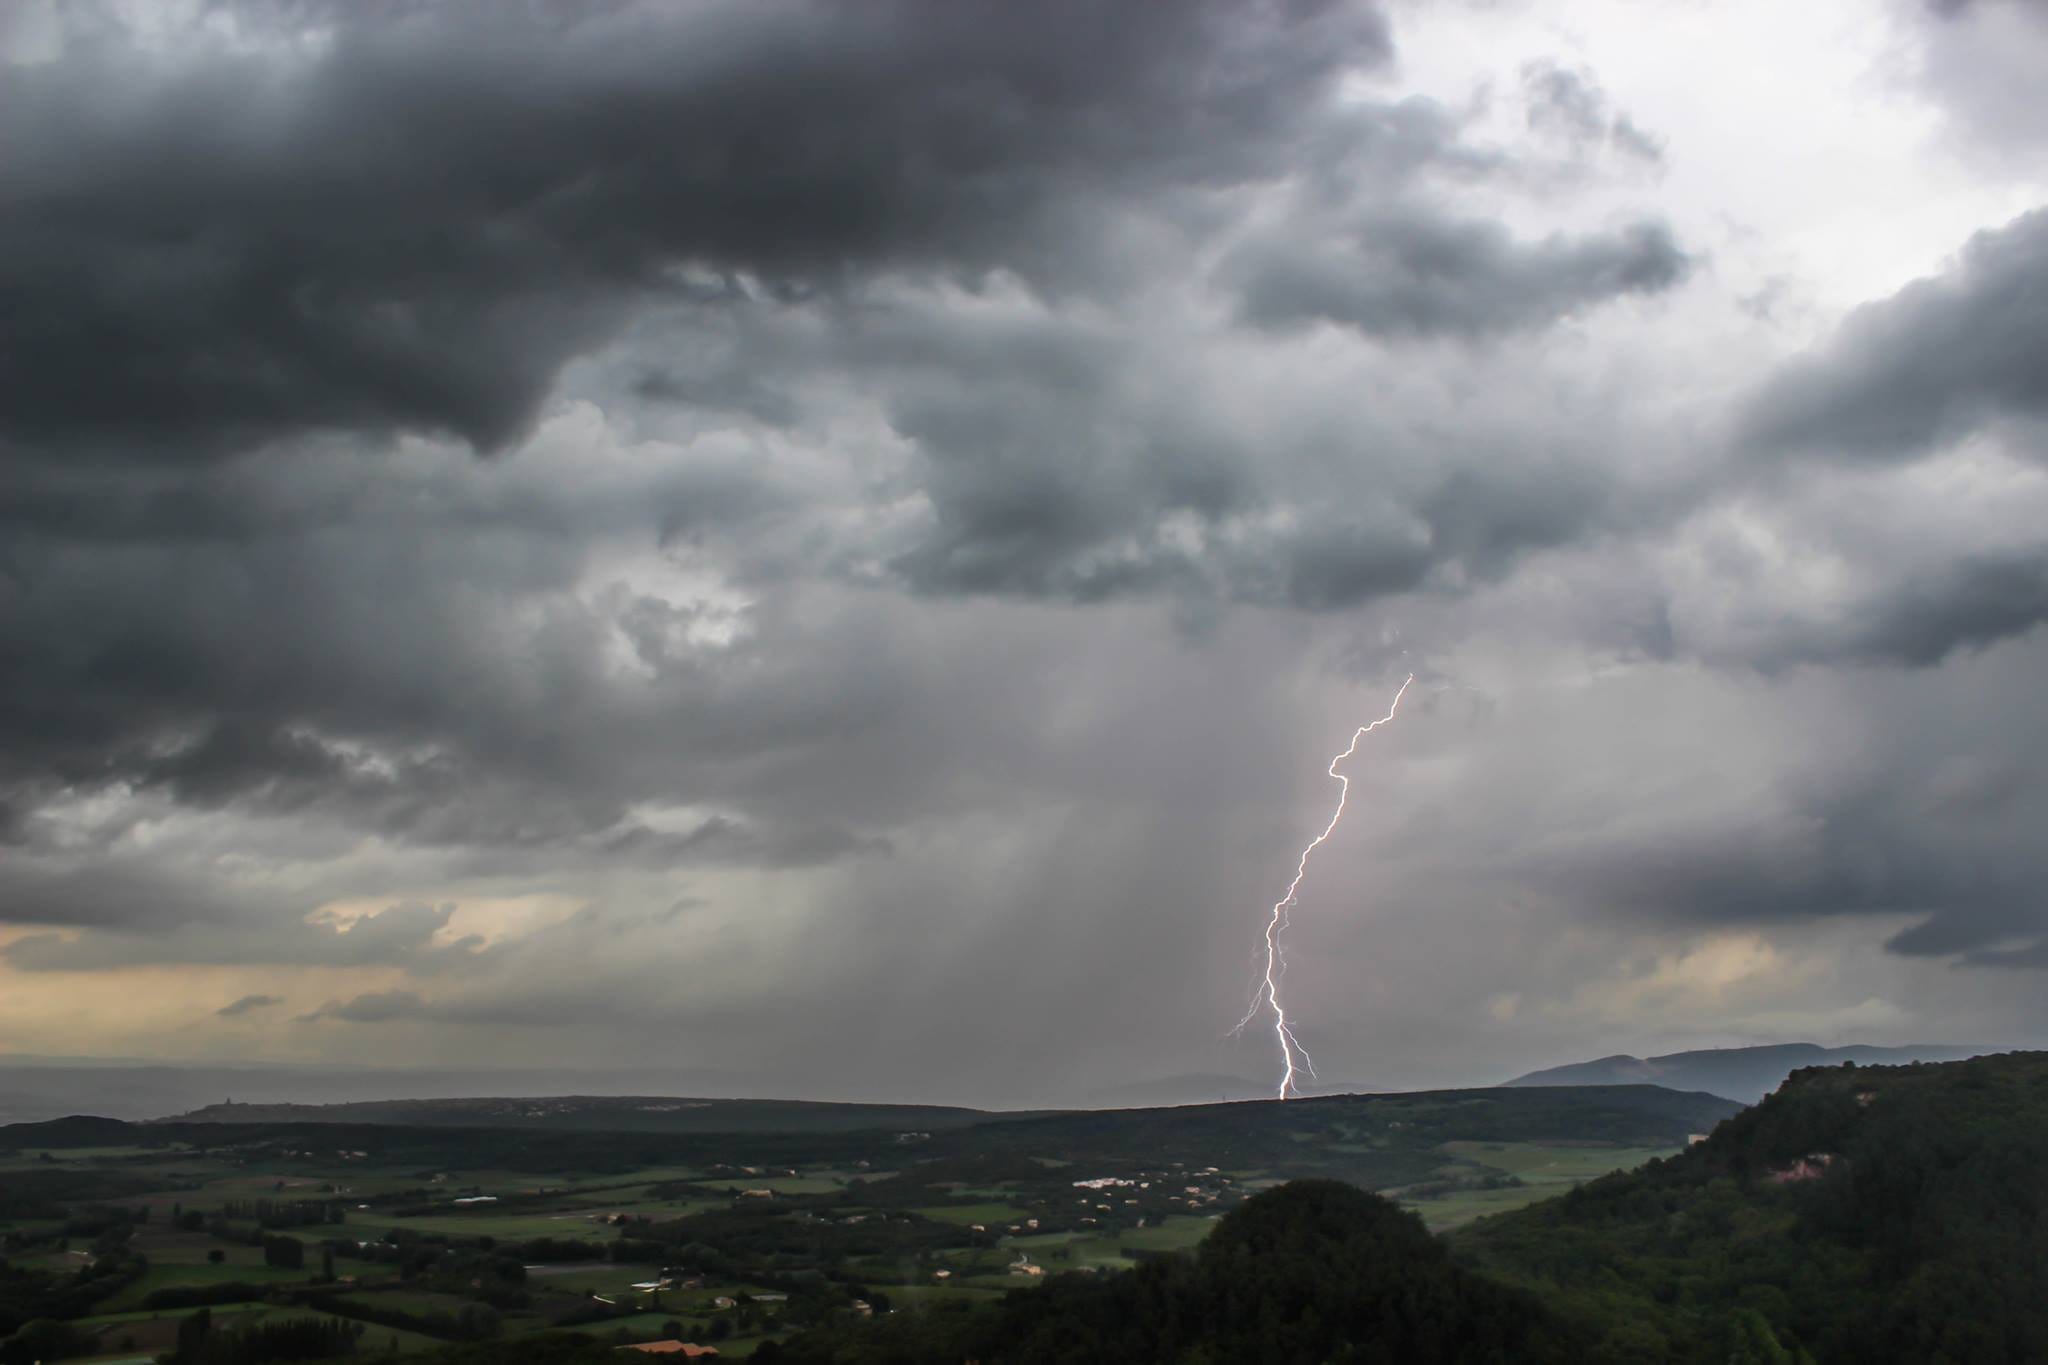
point(989, 1215)
point(425, 1237)
point(1484, 1178)
point(168, 1275)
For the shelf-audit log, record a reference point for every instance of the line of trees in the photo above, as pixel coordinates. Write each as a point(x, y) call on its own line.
point(264, 1341)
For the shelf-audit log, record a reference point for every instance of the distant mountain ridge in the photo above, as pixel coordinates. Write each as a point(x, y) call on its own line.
point(1745, 1074)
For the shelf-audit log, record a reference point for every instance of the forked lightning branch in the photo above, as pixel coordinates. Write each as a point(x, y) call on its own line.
point(1266, 994)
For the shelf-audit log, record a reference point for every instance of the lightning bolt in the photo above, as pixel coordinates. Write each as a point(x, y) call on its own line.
point(1266, 994)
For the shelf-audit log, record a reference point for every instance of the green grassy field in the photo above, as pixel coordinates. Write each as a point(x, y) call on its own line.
point(505, 1227)
point(1174, 1234)
point(1551, 1164)
point(1545, 1169)
point(191, 1248)
point(1041, 1241)
point(1454, 1210)
point(992, 1216)
point(406, 1300)
point(220, 1310)
point(166, 1276)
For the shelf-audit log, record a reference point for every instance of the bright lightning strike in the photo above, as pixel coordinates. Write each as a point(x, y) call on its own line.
point(1266, 994)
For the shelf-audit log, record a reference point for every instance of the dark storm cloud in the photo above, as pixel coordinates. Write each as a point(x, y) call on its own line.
point(416, 226)
point(415, 223)
point(2032, 957)
point(1041, 488)
point(1074, 491)
point(1949, 846)
point(1939, 359)
point(1570, 105)
point(248, 1003)
point(308, 604)
point(109, 891)
point(1981, 61)
point(1969, 604)
point(1061, 458)
point(1807, 867)
point(1420, 275)
point(787, 327)
point(1947, 600)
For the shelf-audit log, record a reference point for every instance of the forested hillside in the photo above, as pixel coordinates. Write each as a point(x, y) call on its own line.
point(1859, 1214)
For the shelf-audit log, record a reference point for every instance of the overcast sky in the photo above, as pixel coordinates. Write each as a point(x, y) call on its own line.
point(833, 542)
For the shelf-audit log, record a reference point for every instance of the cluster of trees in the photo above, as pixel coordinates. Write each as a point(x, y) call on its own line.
point(58, 1192)
point(285, 1213)
point(28, 1294)
point(1431, 1189)
point(264, 1341)
point(472, 1321)
point(546, 1250)
point(42, 1339)
point(284, 1253)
